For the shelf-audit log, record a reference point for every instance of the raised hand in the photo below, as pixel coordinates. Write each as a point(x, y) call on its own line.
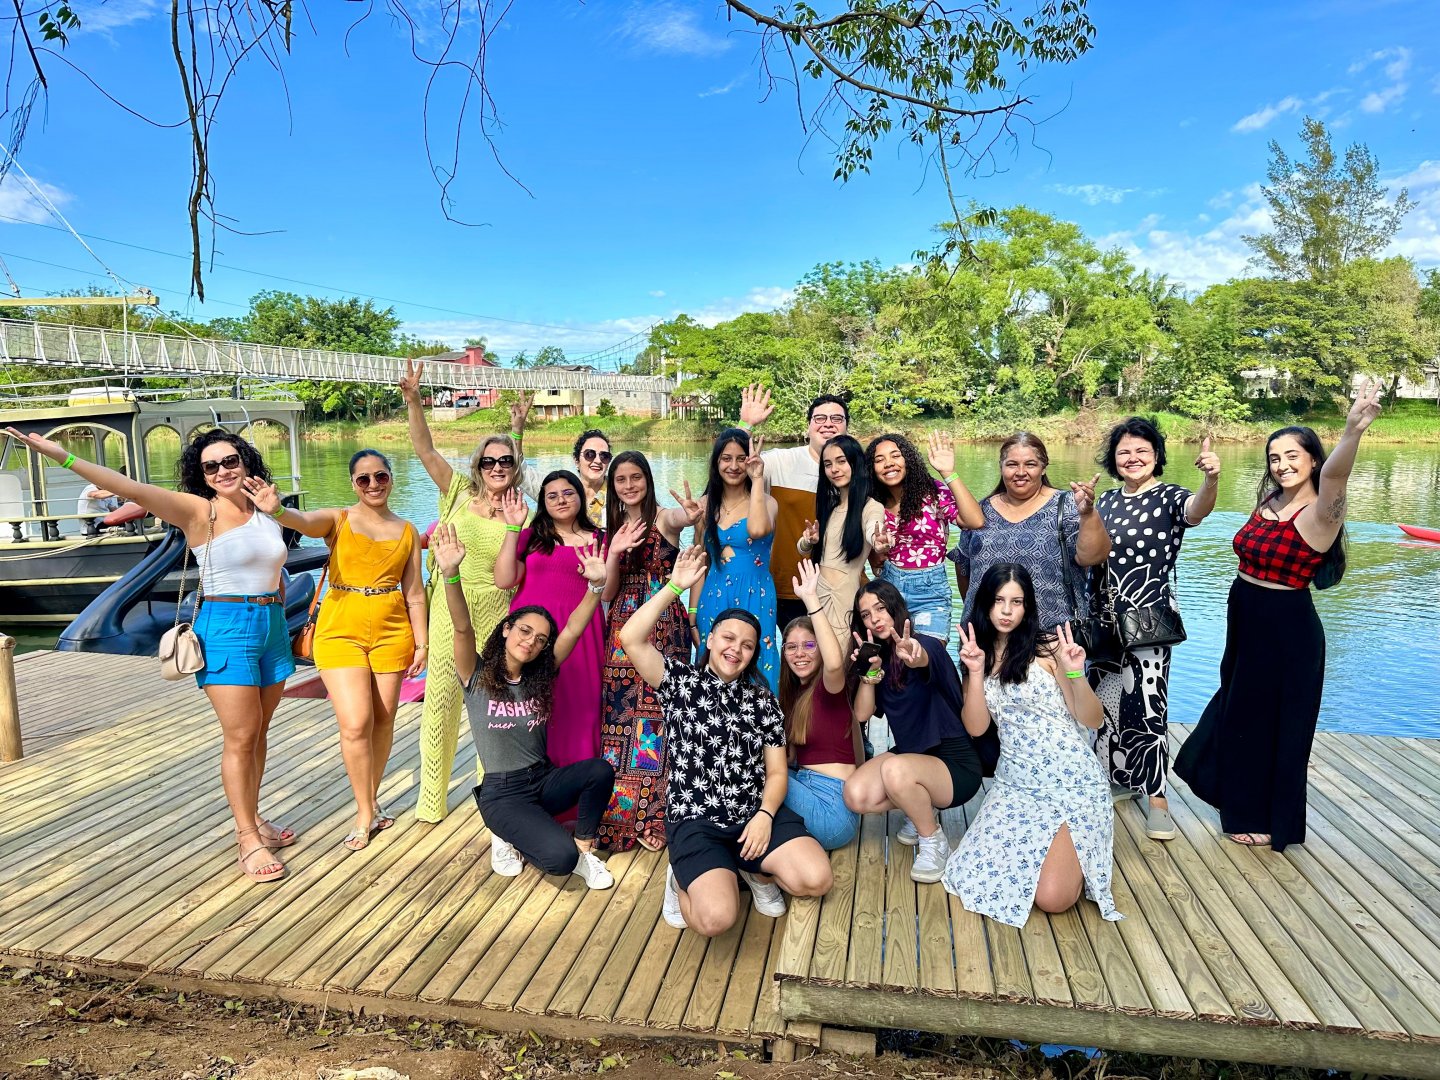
point(806, 584)
point(265, 496)
point(44, 447)
point(449, 549)
point(689, 567)
point(592, 562)
point(520, 410)
point(942, 453)
point(512, 507)
point(1084, 492)
point(1365, 410)
point(755, 464)
point(811, 536)
point(883, 542)
point(689, 505)
point(909, 651)
point(876, 671)
point(1071, 653)
point(972, 657)
point(1208, 462)
point(410, 381)
point(755, 407)
point(630, 535)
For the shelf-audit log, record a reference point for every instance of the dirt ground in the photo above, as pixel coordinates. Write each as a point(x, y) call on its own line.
point(71, 1026)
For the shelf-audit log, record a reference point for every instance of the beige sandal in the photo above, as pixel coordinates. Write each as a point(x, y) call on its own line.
point(275, 836)
point(273, 870)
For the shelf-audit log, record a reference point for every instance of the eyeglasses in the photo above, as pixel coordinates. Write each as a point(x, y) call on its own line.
point(381, 478)
point(591, 455)
point(828, 418)
point(229, 461)
point(505, 462)
point(558, 497)
point(792, 647)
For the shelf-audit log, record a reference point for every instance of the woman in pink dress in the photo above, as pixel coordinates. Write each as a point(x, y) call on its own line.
point(542, 561)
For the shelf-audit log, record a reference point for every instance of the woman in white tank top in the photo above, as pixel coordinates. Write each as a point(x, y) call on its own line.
point(242, 620)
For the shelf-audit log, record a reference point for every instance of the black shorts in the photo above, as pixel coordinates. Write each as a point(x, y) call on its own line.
point(958, 754)
point(697, 846)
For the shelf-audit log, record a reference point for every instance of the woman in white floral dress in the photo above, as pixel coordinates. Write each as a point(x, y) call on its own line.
point(1046, 828)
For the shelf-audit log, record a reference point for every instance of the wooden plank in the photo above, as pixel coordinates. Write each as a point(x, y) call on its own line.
point(1398, 808)
point(768, 1022)
point(1081, 967)
point(1162, 984)
point(837, 908)
point(545, 894)
point(902, 963)
point(472, 950)
point(636, 944)
point(1007, 954)
point(716, 974)
point(1122, 980)
point(864, 965)
point(1409, 771)
point(749, 980)
point(1375, 820)
point(972, 974)
point(1042, 960)
point(542, 936)
point(662, 1004)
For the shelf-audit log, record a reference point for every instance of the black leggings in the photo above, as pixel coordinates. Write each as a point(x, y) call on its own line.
point(520, 806)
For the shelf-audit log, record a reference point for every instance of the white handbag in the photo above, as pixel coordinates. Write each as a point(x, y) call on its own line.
point(181, 652)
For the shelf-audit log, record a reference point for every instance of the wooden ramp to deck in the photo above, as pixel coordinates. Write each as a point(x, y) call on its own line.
point(1327, 955)
point(117, 855)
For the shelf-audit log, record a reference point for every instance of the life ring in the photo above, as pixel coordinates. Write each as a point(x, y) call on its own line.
point(131, 511)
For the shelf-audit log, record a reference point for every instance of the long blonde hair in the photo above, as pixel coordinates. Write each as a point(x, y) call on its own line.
point(477, 482)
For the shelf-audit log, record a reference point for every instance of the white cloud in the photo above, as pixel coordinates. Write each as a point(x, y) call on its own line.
point(670, 27)
point(1261, 117)
point(1197, 259)
point(1419, 235)
point(17, 200)
point(1094, 194)
point(1423, 175)
point(103, 17)
point(657, 293)
point(760, 298)
point(1396, 61)
point(717, 90)
point(1377, 100)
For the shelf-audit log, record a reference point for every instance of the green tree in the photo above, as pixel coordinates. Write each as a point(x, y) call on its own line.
point(1324, 212)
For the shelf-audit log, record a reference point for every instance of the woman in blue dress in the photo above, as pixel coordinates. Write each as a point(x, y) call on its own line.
point(737, 529)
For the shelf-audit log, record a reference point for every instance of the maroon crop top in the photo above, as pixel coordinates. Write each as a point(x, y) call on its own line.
point(1275, 551)
point(828, 740)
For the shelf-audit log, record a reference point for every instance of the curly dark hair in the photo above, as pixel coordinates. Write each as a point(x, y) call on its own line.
point(543, 536)
point(537, 677)
point(914, 489)
point(586, 436)
point(190, 474)
point(1140, 427)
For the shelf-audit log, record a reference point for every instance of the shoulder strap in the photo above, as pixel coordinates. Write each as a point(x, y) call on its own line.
point(204, 566)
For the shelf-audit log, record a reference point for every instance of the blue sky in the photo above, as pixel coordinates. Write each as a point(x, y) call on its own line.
point(662, 178)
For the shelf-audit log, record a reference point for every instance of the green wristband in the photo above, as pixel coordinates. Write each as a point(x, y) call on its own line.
point(952, 478)
point(1074, 674)
point(453, 580)
point(279, 511)
point(69, 460)
point(512, 528)
point(675, 589)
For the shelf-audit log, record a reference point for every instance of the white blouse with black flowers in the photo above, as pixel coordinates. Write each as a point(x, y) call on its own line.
point(718, 733)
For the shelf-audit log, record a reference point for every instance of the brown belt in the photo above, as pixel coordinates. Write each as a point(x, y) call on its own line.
point(262, 600)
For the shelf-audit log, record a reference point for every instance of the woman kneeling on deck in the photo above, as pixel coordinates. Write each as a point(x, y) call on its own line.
point(509, 690)
point(728, 774)
point(1046, 827)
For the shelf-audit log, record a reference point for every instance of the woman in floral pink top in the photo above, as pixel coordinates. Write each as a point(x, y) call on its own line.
point(918, 514)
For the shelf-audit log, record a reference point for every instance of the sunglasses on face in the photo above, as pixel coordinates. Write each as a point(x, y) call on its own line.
point(229, 461)
point(591, 455)
point(380, 479)
point(505, 462)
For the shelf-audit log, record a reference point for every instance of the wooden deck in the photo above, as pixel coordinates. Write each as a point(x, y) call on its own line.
point(116, 855)
point(1326, 956)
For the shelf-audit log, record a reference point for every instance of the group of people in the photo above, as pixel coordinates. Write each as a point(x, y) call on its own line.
point(701, 677)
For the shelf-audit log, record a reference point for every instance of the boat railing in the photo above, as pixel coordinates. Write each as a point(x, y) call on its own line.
point(50, 527)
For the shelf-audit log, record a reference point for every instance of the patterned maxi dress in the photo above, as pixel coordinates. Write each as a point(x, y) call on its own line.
point(440, 722)
point(1145, 533)
point(632, 726)
point(1047, 777)
point(743, 581)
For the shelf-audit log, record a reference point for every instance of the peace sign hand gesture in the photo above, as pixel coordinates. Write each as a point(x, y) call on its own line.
point(1365, 410)
point(755, 464)
point(1084, 493)
point(972, 657)
point(909, 650)
point(689, 505)
point(1070, 652)
point(410, 381)
point(883, 542)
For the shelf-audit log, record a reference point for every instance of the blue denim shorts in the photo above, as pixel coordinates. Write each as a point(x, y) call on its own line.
point(820, 800)
point(245, 645)
point(927, 595)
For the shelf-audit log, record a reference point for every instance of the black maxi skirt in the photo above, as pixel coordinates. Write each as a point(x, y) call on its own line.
point(1250, 750)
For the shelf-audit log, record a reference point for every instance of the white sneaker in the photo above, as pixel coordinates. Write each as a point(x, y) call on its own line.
point(504, 859)
point(671, 908)
point(768, 898)
point(596, 874)
point(908, 834)
point(931, 855)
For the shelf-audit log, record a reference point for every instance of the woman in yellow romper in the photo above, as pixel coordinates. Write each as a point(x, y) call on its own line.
point(472, 503)
point(371, 632)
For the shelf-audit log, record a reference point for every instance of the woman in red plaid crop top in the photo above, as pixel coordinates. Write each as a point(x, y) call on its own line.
point(1248, 755)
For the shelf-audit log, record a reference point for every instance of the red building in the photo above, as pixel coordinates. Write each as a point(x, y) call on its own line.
point(471, 356)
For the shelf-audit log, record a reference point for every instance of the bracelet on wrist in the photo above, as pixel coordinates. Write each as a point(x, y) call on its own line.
point(69, 460)
point(767, 813)
point(1074, 674)
point(596, 589)
point(453, 580)
point(952, 478)
point(675, 589)
point(279, 511)
point(512, 528)
point(809, 612)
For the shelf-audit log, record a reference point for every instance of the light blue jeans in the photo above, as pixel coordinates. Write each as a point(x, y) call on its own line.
point(820, 800)
point(927, 594)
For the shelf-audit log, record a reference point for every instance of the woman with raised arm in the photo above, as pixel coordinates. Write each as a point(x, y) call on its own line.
point(643, 548)
point(473, 503)
point(821, 734)
point(849, 525)
point(727, 817)
point(509, 697)
point(539, 563)
point(1045, 830)
point(371, 633)
point(1250, 750)
point(738, 530)
point(240, 551)
point(911, 681)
